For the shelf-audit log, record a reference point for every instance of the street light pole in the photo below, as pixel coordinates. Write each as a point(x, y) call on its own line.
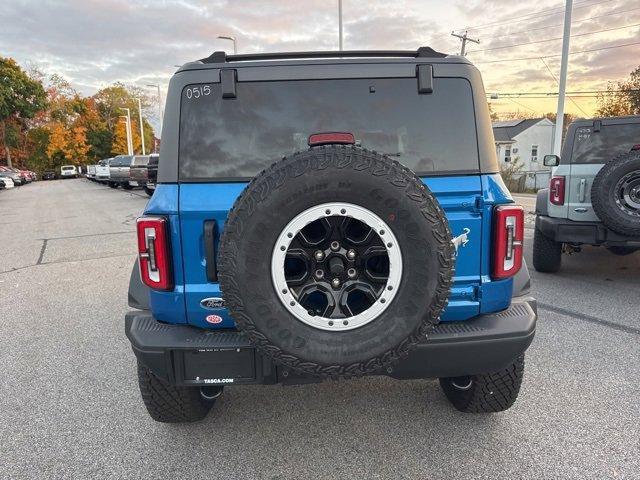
point(126, 129)
point(340, 25)
point(564, 63)
point(233, 39)
point(160, 112)
point(128, 125)
point(141, 126)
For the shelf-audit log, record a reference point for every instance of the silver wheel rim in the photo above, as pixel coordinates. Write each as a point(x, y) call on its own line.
point(628, 194)
point(385, 287)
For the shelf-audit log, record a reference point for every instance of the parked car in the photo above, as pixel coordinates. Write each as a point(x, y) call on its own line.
point(152, 173)
point(6, 182)
point(594, 194)
point(49, 175)
point(139, 173)
point(102, 170)
point(91, 172)
point(283, 246)
point(26, 177)
point(119, 171)
point(68, 171)
point(17, 179)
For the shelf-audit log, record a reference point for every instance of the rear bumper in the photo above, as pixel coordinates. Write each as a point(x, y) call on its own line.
point(185, 355)
point(590, 233)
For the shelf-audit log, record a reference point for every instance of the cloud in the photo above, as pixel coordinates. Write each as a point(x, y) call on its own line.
point(94, 43)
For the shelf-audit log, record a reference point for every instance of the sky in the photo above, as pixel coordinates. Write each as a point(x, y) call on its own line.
point(93, 43)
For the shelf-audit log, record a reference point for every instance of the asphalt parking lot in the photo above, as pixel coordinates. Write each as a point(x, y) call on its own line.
point(70, 406)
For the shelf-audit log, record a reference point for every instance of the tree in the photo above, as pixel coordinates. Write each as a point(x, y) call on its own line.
point(621, 98)
point(119, 146)
point(20, 98)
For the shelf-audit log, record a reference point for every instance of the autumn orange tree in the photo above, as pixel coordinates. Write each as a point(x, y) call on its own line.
point(45, 122)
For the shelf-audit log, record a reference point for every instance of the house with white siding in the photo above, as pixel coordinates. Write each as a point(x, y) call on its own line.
point(526, 141)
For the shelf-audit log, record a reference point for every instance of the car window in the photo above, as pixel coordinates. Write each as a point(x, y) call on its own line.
point(591, 146)
point(140, 160)
point(237, 138)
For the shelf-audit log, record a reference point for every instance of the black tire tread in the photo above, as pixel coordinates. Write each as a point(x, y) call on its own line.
point(489, 392)
point(168, 403)
point(547, 254)
point(602, 204)
point(274, 177)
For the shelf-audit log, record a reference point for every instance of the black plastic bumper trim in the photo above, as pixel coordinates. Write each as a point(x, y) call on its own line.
point(484, 344)
point(590, 233)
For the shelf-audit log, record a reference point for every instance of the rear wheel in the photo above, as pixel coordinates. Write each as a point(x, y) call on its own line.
point(615, 194)
point(149, 191)
point(547, 254)
point(170, 404)
point(126, 186)
point(113, 184)
point(487, 392)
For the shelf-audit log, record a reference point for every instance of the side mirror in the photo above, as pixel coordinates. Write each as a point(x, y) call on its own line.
point(551, 160)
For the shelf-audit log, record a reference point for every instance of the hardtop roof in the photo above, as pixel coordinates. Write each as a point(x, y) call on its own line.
point(422, 55)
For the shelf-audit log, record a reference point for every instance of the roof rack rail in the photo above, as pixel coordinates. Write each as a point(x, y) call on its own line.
point(422, 52)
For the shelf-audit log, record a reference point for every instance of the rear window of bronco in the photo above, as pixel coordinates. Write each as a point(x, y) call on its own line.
point(600, 146)
point(236, 138)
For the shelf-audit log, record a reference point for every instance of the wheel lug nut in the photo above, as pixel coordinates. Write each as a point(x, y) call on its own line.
point(352, 273)
point(351, 254)
point(319, 273)
point(335, 246)
point(319, 255)
point(335, 283)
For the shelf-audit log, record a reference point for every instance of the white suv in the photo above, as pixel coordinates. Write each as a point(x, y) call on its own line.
point(68, 171)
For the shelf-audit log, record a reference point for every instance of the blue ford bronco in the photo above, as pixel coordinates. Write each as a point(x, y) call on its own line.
point(328, 215)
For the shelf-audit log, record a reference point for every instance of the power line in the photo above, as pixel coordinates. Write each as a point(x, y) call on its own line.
point(464, 38)
point(550, 94)
point(553, 39)
point(558, 82)
point(521, 104)
point(540, 13)
point(560, 24)
point(558, 55)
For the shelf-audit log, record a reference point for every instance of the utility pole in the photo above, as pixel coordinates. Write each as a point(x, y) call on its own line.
point(340, 25)
point(465, 38)
point(564, 63)
point(141, 126)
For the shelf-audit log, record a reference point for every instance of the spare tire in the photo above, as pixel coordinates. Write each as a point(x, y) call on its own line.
point(336, 261)
point(615, 194)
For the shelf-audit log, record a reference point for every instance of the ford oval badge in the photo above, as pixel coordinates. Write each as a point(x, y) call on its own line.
point(211, 303)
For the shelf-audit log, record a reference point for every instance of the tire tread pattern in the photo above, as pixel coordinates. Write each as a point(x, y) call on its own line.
point(169, 403)
point(547, 254)
point(320, 158)
point(489, 392)
point(603, 205)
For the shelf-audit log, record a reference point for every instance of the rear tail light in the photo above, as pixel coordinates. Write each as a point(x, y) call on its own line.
point(331, 137)
point(556, 190)
point(508, 234)
point(154, 253)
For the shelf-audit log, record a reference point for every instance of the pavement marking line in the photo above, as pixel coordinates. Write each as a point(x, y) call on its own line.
point(589, 318)
point(69, 261)
point(42, 250)
point(89, 235)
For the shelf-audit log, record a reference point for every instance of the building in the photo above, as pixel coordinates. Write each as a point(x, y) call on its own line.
point(526, 141)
